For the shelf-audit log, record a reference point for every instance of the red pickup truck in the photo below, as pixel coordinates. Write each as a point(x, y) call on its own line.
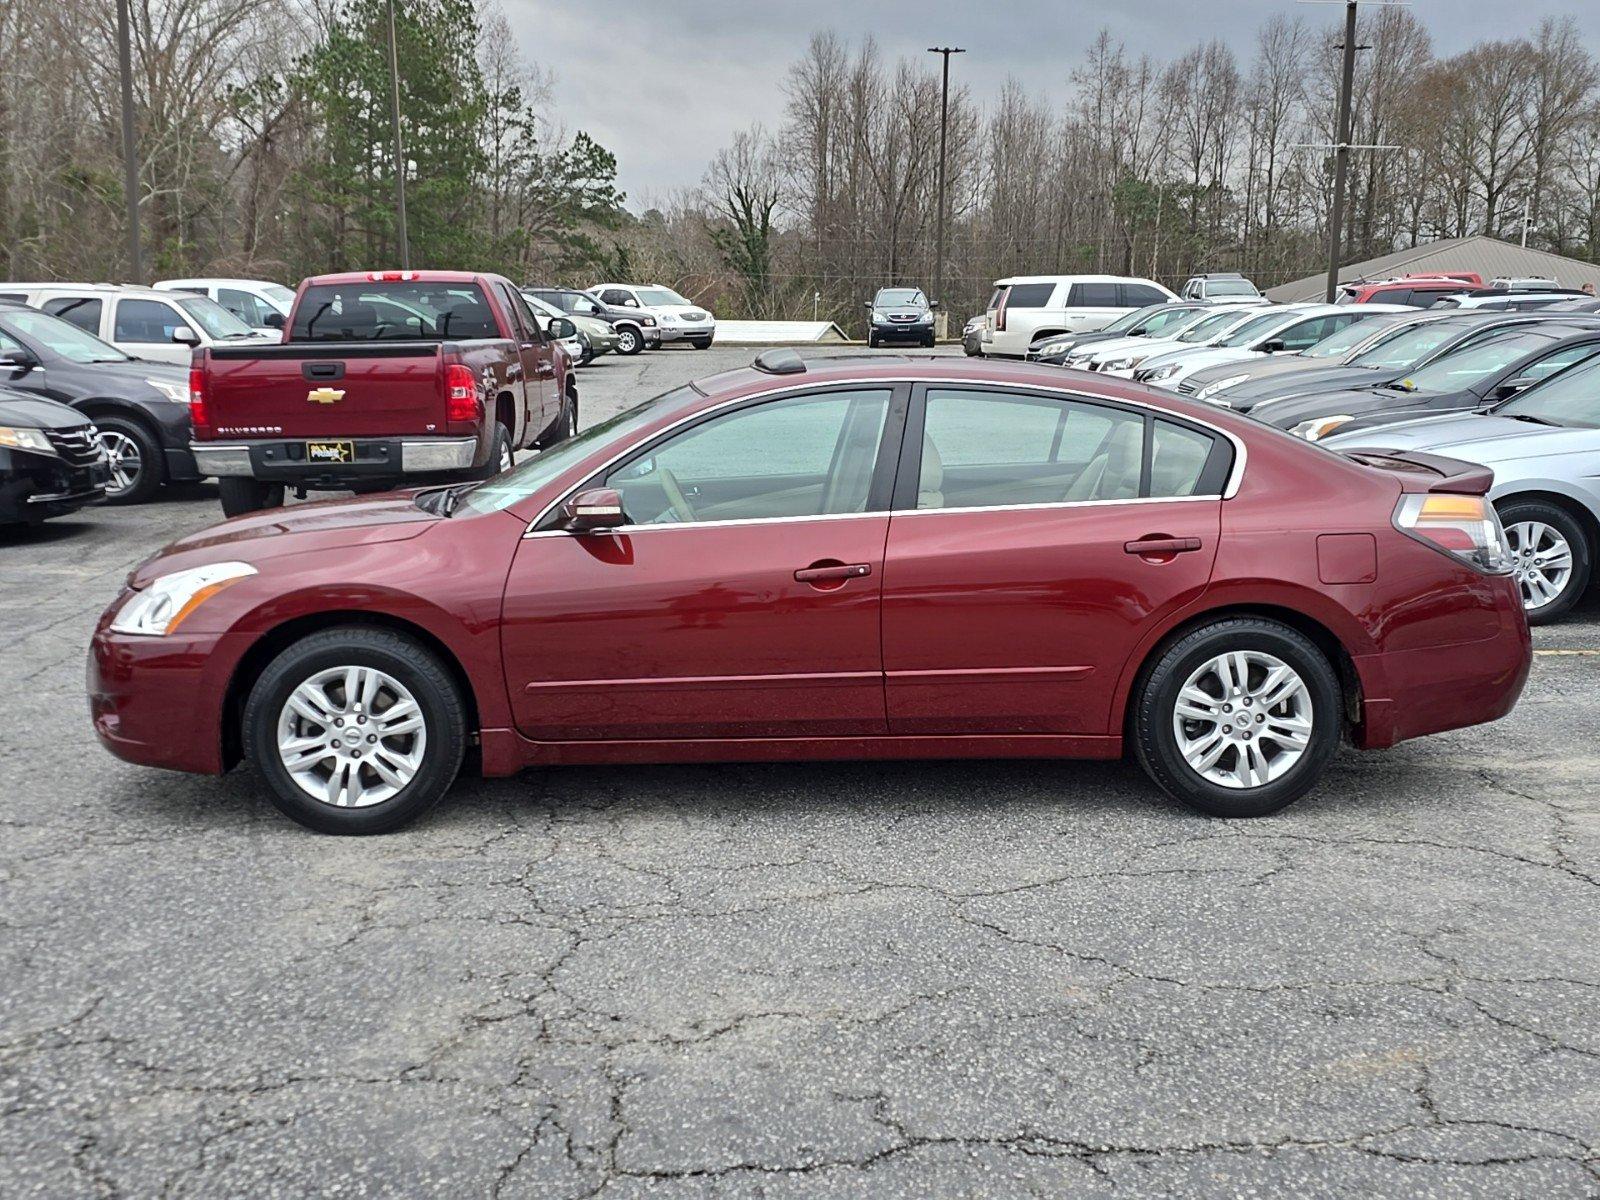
point(383, 379)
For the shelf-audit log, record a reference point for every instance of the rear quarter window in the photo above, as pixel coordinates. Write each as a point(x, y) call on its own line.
point(1029, 295)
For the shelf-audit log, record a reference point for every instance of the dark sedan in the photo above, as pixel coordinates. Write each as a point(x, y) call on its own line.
point(50, 462)
point(141, 408)
point(1474, 377)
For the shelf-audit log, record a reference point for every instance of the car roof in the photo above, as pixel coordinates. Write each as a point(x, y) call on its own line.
point(97, 289)
point(216, 279)
point(1011, 279)
point(405, 277)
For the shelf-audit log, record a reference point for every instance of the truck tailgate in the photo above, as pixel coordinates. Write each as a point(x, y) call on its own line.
point(347, 390)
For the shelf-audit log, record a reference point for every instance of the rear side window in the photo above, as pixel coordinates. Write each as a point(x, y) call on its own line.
point(1093, 295)
point(1135, 295)
point(79, 310)
point(377, 312)
point(1029, 295)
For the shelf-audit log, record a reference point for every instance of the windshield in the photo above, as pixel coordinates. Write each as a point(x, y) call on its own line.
point(889, 297)
point(1207, 326)
point(1251, 330)
point(392, 311)
point(1571, 398)
point(1407, 346)
point(217, 321)
point(1231, 287)
point(532, 474)
point(1133, 319)
point(1337, 345)
point(62, 337)
point(540, 306)
point(1468, 365)
point(655, 297)
point(280, 296)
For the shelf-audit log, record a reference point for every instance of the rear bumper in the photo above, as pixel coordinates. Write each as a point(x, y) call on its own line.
point(1412, 693)
point(282, 460)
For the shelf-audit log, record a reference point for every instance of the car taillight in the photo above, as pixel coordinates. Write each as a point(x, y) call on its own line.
point(197, 399)
point(460, 393)
point(391, 276)
point(1465, 526)
point(1000, 313)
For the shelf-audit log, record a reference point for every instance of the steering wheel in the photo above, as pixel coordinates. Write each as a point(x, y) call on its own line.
point(678, 502)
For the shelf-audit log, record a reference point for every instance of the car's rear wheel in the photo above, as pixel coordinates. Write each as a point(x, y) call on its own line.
point(240, 495)
point(355, 730)
point(629, 341)
point(1238, 718)
point(1550, 557)
point(700, 343)
point(134, 457)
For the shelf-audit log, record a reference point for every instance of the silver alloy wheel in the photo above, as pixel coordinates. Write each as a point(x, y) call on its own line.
point(122, 454)
point(1243, 719)
point(506, 458)
point(627, 339)
point(351, 736)
point(1541, 562)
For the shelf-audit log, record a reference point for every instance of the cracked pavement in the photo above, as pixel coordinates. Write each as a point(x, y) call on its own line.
point(839, 980)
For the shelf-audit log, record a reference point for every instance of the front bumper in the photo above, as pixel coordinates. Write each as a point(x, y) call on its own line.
point(904, 331)
point(283, 460)
point(35, 486)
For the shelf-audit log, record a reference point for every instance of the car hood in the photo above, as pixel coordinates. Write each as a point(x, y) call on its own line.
point(691, 312)
point(1477, 437)
point(1306, 380)
point(1118, 346)
point(297, 529)
point(1217, 356)
point(134, 371)
point(1332, 402)
point(35, 412)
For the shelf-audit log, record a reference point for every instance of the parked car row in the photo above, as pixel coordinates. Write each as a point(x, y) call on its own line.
point(136, 363)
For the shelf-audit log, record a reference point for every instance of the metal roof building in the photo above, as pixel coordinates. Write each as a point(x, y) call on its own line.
point(1488, 256)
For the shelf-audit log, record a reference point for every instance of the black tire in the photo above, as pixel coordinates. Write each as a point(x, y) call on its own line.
point(403, 658)
point(501, 454)
point(700, 343)
point(136, 443)
point(241, 495)
point(566, 424)
point(1516, 512)
point(872, 341)
point(629, 340)
point(1155, 742)
point(930, 342)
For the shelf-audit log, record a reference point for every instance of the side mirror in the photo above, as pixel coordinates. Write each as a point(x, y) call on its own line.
point(18, 362)
point(561, 329)
point(594, 510)
point(274, 320)
point(1272, 346)
point(1510, 388)
point(185, 336)
point(630, 302)
point(866, 304)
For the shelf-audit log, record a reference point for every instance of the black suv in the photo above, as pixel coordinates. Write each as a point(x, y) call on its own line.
point(636, 331)
point(900, 314)
point(141, 408)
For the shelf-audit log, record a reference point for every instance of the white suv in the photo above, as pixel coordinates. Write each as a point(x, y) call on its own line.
point(152, 325)
point(679, 320)
point(259, 303)
point(1025, 307)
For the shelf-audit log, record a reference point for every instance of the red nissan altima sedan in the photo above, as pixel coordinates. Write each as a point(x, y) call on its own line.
point(834, 559)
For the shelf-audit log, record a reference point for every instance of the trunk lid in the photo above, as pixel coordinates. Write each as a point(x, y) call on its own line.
point(345, 390)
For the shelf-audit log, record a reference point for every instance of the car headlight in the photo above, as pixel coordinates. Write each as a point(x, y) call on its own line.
point(1318, 428)
point(1211, 389)
point(1166, 372)
point(178, 393)
point(1116, 364)
point(879, 319)
point(648, 321)
point(26, 439)
point(169, 600)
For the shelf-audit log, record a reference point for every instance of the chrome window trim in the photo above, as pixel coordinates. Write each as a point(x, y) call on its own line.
point(1235, 477)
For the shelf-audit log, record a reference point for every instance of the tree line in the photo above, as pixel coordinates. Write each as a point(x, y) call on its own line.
point(265, 149)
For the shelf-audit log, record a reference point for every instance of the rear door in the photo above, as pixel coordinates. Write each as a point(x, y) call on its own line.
point(1034, 537)
point(1093, 305)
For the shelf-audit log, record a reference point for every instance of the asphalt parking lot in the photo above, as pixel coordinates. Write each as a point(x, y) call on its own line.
point(984, 979)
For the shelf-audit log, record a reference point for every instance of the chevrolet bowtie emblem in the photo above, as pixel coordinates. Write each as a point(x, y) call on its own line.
point(324, 395)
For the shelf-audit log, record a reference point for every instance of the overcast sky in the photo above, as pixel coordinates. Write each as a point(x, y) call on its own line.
point(664, 84)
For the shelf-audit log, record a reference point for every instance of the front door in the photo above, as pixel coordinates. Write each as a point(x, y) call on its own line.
point(741, 600)
point(534, 366)
point(1034, 538)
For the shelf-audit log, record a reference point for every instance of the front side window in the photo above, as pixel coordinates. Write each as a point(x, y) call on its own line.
point(1571, 399)
point(1337, 345)
point(620, 297)
point(986, 449)
point(1407, 347)
point(804, 456)
point(249, 308)
point(1305, 334)
point(62, 337)
point(146, 321)
point(1551, 363)
point(82, 311)
point(217, 321)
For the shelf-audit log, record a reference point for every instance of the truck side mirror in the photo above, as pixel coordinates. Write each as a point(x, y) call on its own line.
point(185, 336)
point(594, 510)
point(561, 329)
point(274, 320)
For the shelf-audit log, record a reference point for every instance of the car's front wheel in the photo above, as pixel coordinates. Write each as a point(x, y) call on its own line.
point(629, 341)
point(356, 730)
point(134, 457)
point(1550, 557)
point(1238, 718)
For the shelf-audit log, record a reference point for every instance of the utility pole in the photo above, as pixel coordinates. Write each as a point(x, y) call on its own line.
point(1527, 219)
point(944, 121)
point(399, 147)
point(1341, 149)
point(130, 148)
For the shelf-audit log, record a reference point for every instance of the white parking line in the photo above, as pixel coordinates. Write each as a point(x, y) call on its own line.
point(1570, 652)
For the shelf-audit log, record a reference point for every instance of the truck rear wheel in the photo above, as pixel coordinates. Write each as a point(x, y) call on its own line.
point(240, 495)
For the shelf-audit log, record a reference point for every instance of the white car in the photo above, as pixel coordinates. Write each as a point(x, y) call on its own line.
point(1287, 329)
point(1124, 356)
point(259, 303)
point(155, 326)
point(679, 320)
point(1127, 350)
point(1025, 307)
